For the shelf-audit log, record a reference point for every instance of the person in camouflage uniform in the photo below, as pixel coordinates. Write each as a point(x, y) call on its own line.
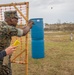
point(7, 30)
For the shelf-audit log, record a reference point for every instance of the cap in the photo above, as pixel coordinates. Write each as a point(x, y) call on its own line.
point(11, 14)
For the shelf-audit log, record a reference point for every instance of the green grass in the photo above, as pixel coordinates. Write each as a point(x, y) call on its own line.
point(59, 57)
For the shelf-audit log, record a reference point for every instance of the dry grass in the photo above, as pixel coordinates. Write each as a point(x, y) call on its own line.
point(59, 57)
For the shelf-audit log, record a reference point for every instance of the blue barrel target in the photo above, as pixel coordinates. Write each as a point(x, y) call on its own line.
point(37, 32)
point(37, 35)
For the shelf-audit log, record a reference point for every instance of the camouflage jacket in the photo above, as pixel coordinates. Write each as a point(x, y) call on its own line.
point(6, 32)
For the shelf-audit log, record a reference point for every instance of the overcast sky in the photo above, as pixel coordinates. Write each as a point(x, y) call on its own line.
point(52, 11)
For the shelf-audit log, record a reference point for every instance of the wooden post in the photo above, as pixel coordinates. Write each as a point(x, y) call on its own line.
point(26, 53)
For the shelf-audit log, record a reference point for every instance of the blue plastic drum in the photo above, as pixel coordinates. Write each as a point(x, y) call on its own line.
point(38, 49)
point(37, 31)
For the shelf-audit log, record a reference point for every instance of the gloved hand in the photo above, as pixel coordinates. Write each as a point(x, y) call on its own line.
point(30, 23)
point(27, 28)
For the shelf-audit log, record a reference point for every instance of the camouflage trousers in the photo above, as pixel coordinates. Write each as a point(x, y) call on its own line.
point(7, 62)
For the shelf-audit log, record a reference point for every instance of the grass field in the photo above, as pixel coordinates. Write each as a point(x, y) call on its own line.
point(59, 57)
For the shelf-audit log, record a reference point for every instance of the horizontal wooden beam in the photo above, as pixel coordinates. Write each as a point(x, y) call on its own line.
point(11, 4)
